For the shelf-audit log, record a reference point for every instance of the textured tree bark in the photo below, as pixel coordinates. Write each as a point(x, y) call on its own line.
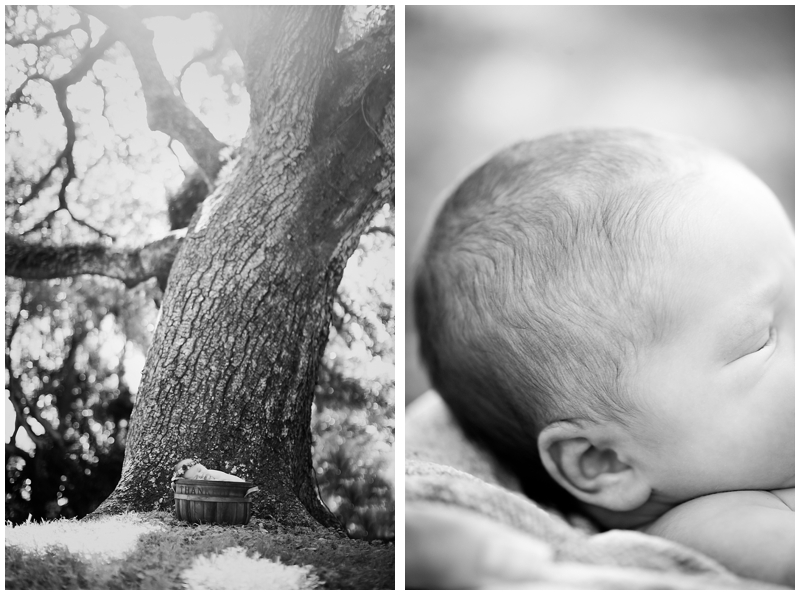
point(229, 377)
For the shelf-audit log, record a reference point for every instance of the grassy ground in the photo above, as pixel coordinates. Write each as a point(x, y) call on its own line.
point(154, 551)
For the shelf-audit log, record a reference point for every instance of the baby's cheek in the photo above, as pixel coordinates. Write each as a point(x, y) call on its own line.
point(771, 453)
point(779, 428)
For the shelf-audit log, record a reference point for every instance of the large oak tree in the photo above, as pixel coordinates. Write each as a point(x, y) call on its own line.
point(250, 283)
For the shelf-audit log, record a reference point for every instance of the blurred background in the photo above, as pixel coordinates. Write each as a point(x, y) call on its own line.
point(480, 78)
point(75, 347)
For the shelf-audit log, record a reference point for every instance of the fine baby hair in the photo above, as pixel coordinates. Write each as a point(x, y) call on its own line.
point(540, 279)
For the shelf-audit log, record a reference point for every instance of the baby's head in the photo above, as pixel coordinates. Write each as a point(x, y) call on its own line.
point(188, 469)
point(619, 306)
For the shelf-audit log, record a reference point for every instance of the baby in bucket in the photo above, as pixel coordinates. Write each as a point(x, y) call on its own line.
point(205, 495)
point(190, 469)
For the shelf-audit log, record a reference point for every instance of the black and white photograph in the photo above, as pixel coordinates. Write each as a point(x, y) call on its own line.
point(199, 297)
point(591, 259)
point(599, 290)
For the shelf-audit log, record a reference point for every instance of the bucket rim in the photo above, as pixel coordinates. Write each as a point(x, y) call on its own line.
point(209, 482)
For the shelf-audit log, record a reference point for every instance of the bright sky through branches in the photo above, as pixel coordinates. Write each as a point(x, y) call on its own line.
point(176, 42)
point(116, 108)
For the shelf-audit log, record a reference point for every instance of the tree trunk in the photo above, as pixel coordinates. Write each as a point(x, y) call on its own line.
point(229, 378)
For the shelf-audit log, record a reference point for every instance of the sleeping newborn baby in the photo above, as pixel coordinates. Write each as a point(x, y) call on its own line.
point(188, 469)
point(616, 309)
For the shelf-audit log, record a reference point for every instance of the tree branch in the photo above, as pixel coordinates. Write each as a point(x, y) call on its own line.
point(88, 225)
point(64, 396)
point(64, 207)
point(200, 56)
point(353, 71)
point(130, 265)
point(16, 96)
point(17, 399)
point(40, 225)
point(380, 229)
point(355, 124)
point(67, 153)
point(12, 439)
point(15, 392)
point(38, 186)
point(15, 325)
point(286, 50)
point(60, 86)
point(84, 64)
point(166, 111)
point(182, 205)
point(45, 39)
point(352, 154)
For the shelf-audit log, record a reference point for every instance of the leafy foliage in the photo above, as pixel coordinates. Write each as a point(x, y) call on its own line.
point(67, 371)
point(354, 414)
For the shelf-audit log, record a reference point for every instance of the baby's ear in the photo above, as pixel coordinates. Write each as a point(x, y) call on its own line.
point(592, 474)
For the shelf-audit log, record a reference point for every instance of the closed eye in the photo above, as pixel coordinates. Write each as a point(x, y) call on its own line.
point(770, 340)
point(749, 346)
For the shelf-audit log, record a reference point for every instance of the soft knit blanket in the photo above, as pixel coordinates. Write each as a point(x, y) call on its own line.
point(444, 468)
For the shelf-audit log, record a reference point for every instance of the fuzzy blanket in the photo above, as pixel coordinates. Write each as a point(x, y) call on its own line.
point(443, 468)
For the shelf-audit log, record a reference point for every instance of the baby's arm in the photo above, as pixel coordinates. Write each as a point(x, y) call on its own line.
point(198, 471)
point(214, 475)
point(749, 532)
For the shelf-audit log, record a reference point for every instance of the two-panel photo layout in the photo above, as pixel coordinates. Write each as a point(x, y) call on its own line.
point(581, 218)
